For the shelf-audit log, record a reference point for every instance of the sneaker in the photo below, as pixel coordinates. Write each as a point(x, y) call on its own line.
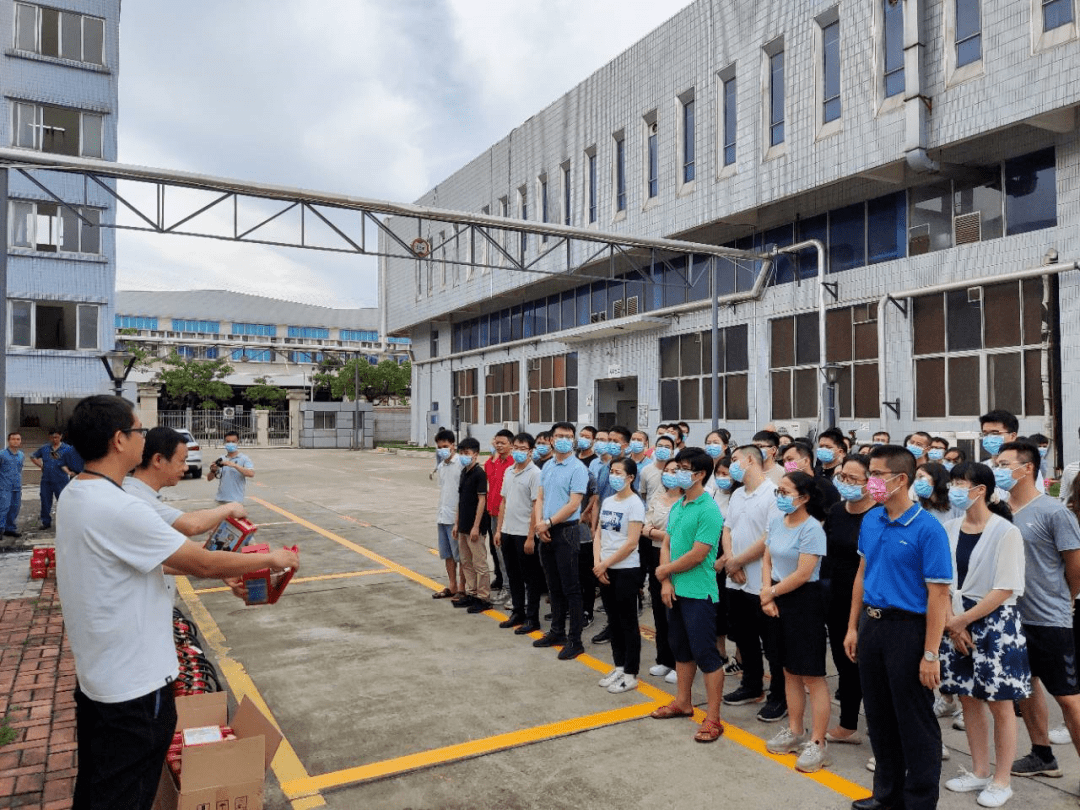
point(871, 764)
point(945, 752)
point(772, 711)
point(604, 636)
point(587, 622)
point(742, 696)
point(813, 757)
point(671, 677)
point(512, 621)
point(733, 667)
point(624, 684)
point(958, 722)
point(571, 650)
point(1060, 736)
point(1034, 765)
point(611, 677)
point(995, 795)
point(528, 627)
point(945, 707)
point(659, 670)
point(967, 782)
point(549, 640)
point(785, 742)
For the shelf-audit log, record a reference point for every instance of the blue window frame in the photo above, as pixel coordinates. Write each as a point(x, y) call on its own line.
point(1056, 13)
point(830, 36)
point(654, 161)
point(776, 98)
point(620, 173)
point(847, 238)
point(136, 322)
point(968, 32)
point(566, 188)
point(402, 340)
point(1030, 192)
point(592, 188)
point(553, 314)
point(893, 46)
point(202, 327)
point(746, 272)
point(528, 320)
point(253, 355)
point(309, 332)
point(730, 120)
point(485, 334)
point(368, 335)
point(688, 142)
point(886, 228)
point(698, 288)
point(257, 329)
point(306, 357)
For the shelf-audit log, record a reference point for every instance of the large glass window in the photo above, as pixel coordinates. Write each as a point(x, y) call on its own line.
point(686, 375)
point(653, 159)
point(61, 34)
point(199, 327)
point(968, 32)
point(258, 329)
point(776, 98)
point(52, 228)
point(830, 40)
point(553, 393)
point(592, 186)
point(688, 141)
point(1031, 192)
point(730, 119)
point(502, 394)
point(893, 46)
point(794, 361)
point(847, 238)
point(143, 323)
point(851, 342)
point(60, 325)
point(308, 332)
point(466, 398)
point(58, 130)
point(620, 172)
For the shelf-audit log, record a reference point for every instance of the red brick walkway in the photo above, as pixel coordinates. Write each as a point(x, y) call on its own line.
point(37, 683)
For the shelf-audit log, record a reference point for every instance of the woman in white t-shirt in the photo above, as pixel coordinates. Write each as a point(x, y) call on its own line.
point(656, 518)
point(985, 661)
point(617, 566)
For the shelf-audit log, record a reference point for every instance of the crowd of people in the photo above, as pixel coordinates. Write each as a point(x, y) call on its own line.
point(942, 586)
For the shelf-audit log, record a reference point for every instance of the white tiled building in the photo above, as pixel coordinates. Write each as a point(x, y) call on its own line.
point(924, 142)
point(59, 73)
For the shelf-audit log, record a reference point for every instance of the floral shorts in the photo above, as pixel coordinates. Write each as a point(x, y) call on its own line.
point(997, 668)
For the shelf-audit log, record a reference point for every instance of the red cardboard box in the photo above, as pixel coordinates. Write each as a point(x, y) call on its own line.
point(264, 587)
point(232, 534)
point(229, 773)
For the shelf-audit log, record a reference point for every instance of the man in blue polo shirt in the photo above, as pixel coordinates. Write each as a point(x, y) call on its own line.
point(563, 482)
point(898, 609)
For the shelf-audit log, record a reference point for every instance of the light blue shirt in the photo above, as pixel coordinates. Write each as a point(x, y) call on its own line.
point(11, 466)
point(231, 483)
point(786, 544)
point(560, 479)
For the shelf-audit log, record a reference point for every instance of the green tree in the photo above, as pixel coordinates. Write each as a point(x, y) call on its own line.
point(378, 384)
point(195, 383)
point(265, 394)
point(144, 354)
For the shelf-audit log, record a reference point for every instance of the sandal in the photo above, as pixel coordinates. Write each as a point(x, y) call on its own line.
point(669, 711)
point(445, 593)
point(709, 731)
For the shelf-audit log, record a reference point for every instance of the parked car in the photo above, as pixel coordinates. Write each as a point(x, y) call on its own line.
point(194, 454)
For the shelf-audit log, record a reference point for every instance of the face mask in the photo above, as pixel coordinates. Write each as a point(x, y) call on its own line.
point(662, 453)
point(724, 484)
point(924, 488)
point(637, 447)
point(617, 482)
point(935, 454)
point(583, 444)
point(493, 450)
point(443, 453)
point(685, 479)
point(791, 466)
point(825, 455)
point(714, 450)
point(849, 492)
point(563, 445)
point(879, 444)
point(615, 450)
point(540, 451)
point(915, 450)
point(230, 447)
point(877, 489)
point(669, 480)
point(1043, 451)
point(948, 465)
point(959, 497)
point(736, 471)
point(520, 456)
point(992, 444)
point(785, 503)
point(1003, 477)
point(465, 460)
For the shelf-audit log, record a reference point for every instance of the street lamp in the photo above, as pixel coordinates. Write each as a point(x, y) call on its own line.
point(118, 365)
point(832, 374)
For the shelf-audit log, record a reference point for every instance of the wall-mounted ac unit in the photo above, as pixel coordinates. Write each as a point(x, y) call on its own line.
point(791, 428)
point(967, 228)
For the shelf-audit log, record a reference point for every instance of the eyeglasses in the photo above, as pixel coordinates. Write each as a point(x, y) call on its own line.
point(850, 479)
point(885, 475)
point(1004, 466)
point(142, 431)
point(986, 433)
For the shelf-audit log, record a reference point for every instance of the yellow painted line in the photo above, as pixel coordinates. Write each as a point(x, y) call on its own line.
point(466, 750)
point(297, 580)
point(434, 551)
point(286, 764)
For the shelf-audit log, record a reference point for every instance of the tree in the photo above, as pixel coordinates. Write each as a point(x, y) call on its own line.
point(378, 384)
point(195, 383)
point(144, 355)
point(264, 393)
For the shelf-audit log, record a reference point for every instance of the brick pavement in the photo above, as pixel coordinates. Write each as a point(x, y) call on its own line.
point(37, 683)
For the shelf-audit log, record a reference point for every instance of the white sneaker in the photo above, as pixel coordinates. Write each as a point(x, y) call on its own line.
point(671, 677)
point(958, 722)
point(625, 683)
point(944, 707)
point(659, 670)
point(785, 742)
point(1058, 736)
point(871, 764)
point(611, 677)
point(995, 795)
point(813, 757)
point(945, 752)
point(967, 782)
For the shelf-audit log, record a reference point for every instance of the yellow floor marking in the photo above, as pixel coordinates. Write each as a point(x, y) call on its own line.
point(473, 748)
point(297, 580)
point(286, 765)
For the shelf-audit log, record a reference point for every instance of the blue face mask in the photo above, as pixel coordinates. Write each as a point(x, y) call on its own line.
point(669, 480)
point(825, 455)
point(230, 447)
point(616, 482)
point(785, 503)
point(924, 488)
point(540, 451)
point(637, 447)
point(714, 450)
point(1043, 451)
point(849, 492)
point(724, 483)
point(520, 456)
point(736, 471)
point(948, 465)
point(1003, 477)
point(959, 497)
point(992, 444)
point(583, 443)
point(685, 479)
point(615, 449)
point(662, 453)
point(915, 450)
point(443, 453)
point(935, 454)
point(465, 460)
point(563, 445)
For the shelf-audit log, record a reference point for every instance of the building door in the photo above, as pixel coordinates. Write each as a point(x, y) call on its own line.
point(616, 402)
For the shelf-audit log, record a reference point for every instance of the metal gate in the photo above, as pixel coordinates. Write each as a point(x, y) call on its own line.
point(210, 427)
point(278, 429)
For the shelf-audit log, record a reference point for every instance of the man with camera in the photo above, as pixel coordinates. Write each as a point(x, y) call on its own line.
point(233, 469)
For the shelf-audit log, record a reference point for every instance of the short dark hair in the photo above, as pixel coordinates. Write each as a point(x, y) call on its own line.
point(1023, 448)
point(882, 433)
point(527, 438)
point(922, 433)
point(95, 421)
point(628, 465)
point(468, 444)
point(769, 436)
point(162, 440)
point(229, 433)
point(809, 486)
point(564, 426)
point(55, 431)
point(859, 458)
point(836, 436)
point(545, 435)
point(898, 459)
point(445, 435)
point(802, 448)
point(1039, 438)
point(506, 434)
point(14, 433)
point(620, 430)
point(751, 450)
point(979, 474)
point(942, 440)
point(963, 454)
point(1011, 423)
point(698, 459)
point(665, 438)
point(588, 429)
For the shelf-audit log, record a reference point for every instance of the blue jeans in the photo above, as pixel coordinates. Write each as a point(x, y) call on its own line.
point(560, 559)
point(10, 501)
point(49, 490)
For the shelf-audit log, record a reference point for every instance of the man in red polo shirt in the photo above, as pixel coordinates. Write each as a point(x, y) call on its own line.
point(495, 468)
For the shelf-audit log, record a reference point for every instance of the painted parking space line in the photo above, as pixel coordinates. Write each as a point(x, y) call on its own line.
point(286, 765)
point(299, 580)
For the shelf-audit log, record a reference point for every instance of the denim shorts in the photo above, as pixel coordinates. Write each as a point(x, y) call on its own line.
point(448, 547)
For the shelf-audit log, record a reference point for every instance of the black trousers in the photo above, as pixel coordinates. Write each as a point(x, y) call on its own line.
point(904, 732)
point(620, 602)
point(838, 591)
point(524, 576)
point(664, 656)
point(122, 749)
point(560, 560)
point(755, 633)
point(497, 572)
point(586, 577)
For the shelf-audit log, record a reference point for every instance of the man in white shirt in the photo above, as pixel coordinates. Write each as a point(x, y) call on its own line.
point(110, 549)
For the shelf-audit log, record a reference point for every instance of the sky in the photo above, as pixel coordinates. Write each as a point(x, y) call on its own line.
point(373, 98)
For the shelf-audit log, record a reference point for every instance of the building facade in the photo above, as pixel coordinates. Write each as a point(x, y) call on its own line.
point(930, 147)
point(59, 74)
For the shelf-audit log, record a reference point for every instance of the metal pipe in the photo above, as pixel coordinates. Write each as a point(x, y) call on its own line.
point(715, 370)
point(3, 302)
point(819, 246)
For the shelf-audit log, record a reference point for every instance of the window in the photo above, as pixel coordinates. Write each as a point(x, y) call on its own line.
point(202, 327)
point(968, 32)
point(369, 335)
point(851, 342)
point(730, 111)
point(566, 196)
point(794, 361)
point(893, 46)
point(305, 357)
point(62, 34)
point(325, 420)
point(979, 348)
point(58, 130)
point(776, 98)
point(502, 396)
point(686, 375)
point(433, 344)
point(652, 156)
point(465, 396)
point(523, 213)
point(309, 332)
point(54, 325)
point(1030, 192)
point(847, 238)
point(257, 329)
point(504, 236)
point(135, 322)
point(688, 152)
point(52, 228)
point(254, 355)
point(403, 341)
point(620, 172)
point(591, 160)
point(543, 203)
point(1056, 13)
point(553, 388)
point(197, 352)
point(830, 69)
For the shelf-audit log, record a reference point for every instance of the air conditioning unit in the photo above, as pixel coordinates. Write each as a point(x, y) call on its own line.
point(228, 413)
point(967, 228)
point(597, 317)
point(632, 305)
point(617, 308)
point(791, 428)
point(975, 295)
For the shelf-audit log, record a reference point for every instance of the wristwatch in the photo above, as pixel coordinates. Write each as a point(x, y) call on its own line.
point(929, 656)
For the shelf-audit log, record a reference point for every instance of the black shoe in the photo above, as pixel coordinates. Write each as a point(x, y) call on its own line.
point(12, 533)
point(742, 696)
point(529, 627)
point(497, 585)
point(479, 606)
point(587, 622)
point(547, 617)
point(549, 640)
point(463, 602)
point(772, 711)
point(514, 620)
point(604, 636)
point(571, 650)
point(870, 803)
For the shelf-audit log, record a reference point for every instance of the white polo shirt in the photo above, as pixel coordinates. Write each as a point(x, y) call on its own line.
point(748, 516)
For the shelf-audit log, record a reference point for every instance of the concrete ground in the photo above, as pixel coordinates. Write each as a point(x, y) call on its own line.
point(390, 699)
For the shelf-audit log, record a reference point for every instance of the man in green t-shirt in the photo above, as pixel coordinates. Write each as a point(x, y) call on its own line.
point(688, 588)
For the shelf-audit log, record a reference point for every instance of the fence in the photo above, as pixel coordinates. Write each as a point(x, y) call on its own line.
point(211, 426)
point(278, 429)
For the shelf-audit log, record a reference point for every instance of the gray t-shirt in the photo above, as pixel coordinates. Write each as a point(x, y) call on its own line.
point(1048, 529)
point(170, 514)
point(231, 482)
point(519, 491)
